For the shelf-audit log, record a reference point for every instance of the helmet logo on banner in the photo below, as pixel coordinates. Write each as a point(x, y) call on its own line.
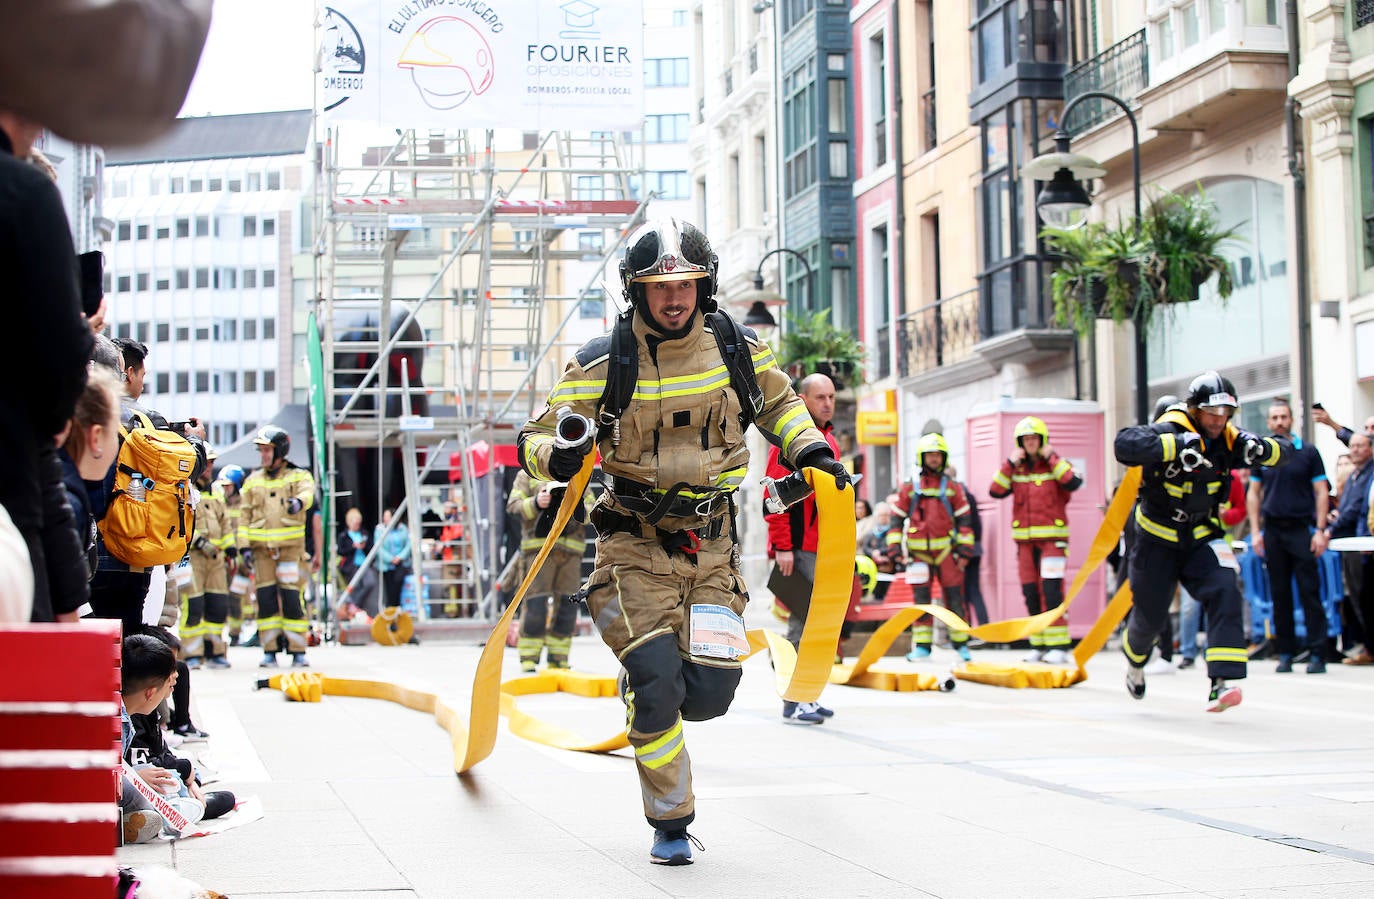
point(449, 61)
point(342, 55)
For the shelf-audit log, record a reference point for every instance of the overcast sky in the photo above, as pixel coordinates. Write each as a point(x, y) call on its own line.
point(258, 58)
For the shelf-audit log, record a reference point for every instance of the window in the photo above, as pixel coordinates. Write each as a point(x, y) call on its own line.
point(202, 277)
point(671, 72)
point(164, 284)
point(254, 181)
point(590, 187)
point(269, 277)
point(226, 278)
point(202, 226)
point(520, 354)
point(269, 381)
point(178, 186)
point(593, 305)
point(877, 97)
point(163, 233)
point(183, 227)
point(274, 180)
point(269, 227)
point(250, 329)
point(520, 296)
point(235, 185)
point(196, 186)
point(183, 334)
point(216, 184)
point(229, 329)
point(126, 231)
point(679, 18)
point(799, 128)
point(183, 382)
point(230, 380)
point(123, 283)
point(183, 278)
point(163, 382)
point(141, 281)
point(142, 232)
point(250, 277)
point(125, 330)
point(250, 226)
point(590, 242)
point(761, 154)
point(666, 129)
point(732, 188)
point(163, 332)
point(793, 11)
point(839, 159)
point(106, 283)
point(202, 382)
point(202, 333)
point(269, 328)
point(250, 382)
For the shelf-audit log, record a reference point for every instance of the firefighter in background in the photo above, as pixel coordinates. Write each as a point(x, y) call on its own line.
point(536, 503)
point(939, 541)
point(230, 484)
point(1187, 457)
point(207, 606)
point(276, 501)
point(1039, 483)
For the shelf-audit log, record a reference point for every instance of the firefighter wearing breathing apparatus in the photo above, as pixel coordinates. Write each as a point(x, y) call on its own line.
point(276, 500)
point(666, 594)
point(202, 629)
point(1187, 456)
point(1039, 483)
point(939, 541)
point(535, 503)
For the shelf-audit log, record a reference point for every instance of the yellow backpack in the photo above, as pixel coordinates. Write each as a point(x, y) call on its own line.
point(149, 518)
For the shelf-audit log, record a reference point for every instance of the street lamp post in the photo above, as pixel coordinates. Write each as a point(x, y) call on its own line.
point(759, 299)
point(1063, 203)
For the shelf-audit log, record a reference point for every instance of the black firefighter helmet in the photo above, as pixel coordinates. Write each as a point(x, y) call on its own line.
point(670, 250)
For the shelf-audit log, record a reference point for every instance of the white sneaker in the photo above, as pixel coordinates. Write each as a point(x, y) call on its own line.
point(1159, 666)
point(1057, 657)
point(1035, 655)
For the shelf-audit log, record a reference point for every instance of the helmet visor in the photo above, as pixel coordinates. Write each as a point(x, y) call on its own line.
point(672, 263)
point(1218, 409)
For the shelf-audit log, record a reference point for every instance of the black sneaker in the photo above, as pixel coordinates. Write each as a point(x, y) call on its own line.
point(673, 847)
point(1316, 665)
point(1135, 682)
point(218, 803)
point(189, 733)
point(1186, 662)
point(801, 713)
point(1285, 665)
point(1222, 697)
point(298, 660)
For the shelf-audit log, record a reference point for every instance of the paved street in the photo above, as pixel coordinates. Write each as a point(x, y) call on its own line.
point(982, 792)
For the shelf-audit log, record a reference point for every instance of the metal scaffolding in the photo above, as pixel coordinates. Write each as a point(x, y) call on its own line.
point(478, 257)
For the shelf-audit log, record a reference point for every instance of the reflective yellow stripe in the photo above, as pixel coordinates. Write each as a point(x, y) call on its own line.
point(1001, 480)
point(1040, 532)
point(1150, 527)
point(1273, 457)
point(1227, 654)
point(577, 391)
point(682, 385)
point(275, 535)
point(1036, 477)
point(1169, 447)
point(763, 359)
point(660, 752)
point(791, 424)
point(1131, 653)
point(1060, 469)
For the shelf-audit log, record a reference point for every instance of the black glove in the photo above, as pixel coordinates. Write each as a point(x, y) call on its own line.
point(205, 546)
point(294, 505)
point(822, 458)
point(1190, 451)
point(230, 552)
point(565, 463)
point(1255, 449)
point(246, 558)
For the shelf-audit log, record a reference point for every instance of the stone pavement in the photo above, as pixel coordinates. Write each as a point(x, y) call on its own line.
point(982, 792)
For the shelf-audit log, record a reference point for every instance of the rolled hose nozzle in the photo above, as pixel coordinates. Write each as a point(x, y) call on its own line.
point(780, 493)
point(572, 430)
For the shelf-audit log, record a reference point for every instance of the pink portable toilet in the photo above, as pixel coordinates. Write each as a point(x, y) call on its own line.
point(1075, 428)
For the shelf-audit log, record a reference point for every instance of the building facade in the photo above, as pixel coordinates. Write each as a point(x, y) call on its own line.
point(199, 267)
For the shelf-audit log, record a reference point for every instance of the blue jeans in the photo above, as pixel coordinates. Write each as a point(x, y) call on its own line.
point(1189, 619)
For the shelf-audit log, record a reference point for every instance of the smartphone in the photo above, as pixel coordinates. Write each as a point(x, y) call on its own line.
point(1318, 406)
point(92, 266)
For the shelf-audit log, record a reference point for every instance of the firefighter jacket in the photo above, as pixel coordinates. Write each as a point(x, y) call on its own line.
point(523, 503)
point(233, 514)
point(213, 533)
point(798, 527)
point(1039, 488)
point(1182, 507)
point(938, 518)
point(681, 427)
point(265, 517)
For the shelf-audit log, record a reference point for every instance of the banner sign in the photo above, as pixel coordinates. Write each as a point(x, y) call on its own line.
point(529, 64)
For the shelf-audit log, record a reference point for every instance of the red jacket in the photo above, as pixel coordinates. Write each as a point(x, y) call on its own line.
point(1039, 488)
point(939, 520)
point(797, 528)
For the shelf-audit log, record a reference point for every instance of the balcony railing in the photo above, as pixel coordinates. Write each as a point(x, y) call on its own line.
point(1123, 69)
point(942, 333)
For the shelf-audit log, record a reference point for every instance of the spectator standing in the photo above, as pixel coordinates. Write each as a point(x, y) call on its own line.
point(1343, 434)
point(1352, 520)
point(393, 557)
point(793, 536)
point(88, 453)
point(1285, 506)
point(351, 552)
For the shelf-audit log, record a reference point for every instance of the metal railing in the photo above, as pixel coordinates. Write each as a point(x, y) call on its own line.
point(942, 333)
point(1122, 69)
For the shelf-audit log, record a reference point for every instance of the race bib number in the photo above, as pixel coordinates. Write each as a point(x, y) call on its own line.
point(239, 585)
point(182, 573)
point(716, 632)
point(288, 572)
point(1226, 557)
point(1052, 568)
point(918, 573)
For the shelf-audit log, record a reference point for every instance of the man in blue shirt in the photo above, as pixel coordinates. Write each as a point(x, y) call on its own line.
point(1292, 500)
point(1352, 520)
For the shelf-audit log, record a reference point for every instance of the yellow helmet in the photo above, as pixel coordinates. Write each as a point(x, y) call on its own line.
point(867, 571)
point(932, 443)
point(1031, 425)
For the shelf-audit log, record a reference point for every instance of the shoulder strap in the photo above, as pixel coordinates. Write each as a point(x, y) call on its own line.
point(734, 352)
point(622, 371)
point(944, 498)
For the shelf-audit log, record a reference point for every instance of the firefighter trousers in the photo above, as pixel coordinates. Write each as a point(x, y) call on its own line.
point(1041, 590)
point(281, 610)
point(640, 597)
point(947, 573)
point(1156, 569)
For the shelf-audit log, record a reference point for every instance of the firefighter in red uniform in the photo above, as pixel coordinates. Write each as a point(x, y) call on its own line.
point(1039, 483)
point(939, 541)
